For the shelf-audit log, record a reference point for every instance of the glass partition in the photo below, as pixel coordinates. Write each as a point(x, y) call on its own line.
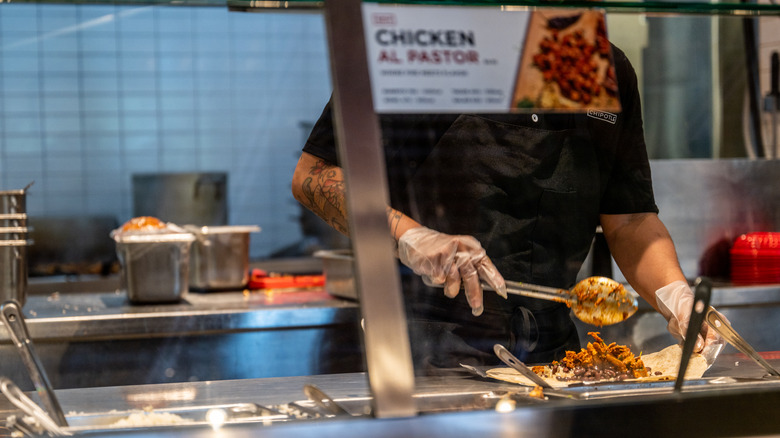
point(203, 115)
point(194, 115)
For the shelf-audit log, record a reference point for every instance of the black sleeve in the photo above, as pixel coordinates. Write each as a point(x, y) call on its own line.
point(322, 139)
point(629, 187)
point(406, 136)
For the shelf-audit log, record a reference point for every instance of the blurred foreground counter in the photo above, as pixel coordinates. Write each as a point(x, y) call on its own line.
point(96, 337)
point(107, 358)
point(89, 339)
point(459, 405)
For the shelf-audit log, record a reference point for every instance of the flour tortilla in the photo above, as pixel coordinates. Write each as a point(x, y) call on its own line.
point(667, 361)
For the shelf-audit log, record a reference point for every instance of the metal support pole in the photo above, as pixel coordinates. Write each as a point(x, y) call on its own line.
point(751, 62)
point(388, 356)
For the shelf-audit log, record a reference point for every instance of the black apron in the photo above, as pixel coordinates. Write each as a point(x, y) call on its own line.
point(530, 197)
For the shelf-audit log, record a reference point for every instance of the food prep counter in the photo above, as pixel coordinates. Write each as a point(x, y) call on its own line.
point(731, 400)
point(107, 358)
point(93, 339)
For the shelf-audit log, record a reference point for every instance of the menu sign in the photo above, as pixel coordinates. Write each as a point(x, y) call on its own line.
point(485, 59)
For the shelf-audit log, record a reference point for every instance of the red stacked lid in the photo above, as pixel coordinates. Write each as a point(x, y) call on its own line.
point(755, 258)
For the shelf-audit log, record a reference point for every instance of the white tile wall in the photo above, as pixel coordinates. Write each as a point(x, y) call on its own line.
point(92, 94)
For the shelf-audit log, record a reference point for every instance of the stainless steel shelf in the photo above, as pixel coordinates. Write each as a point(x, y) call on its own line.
point(93, 316)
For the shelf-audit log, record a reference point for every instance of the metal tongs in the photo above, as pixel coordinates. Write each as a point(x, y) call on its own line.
point(510, 359)
point(597, 301)
point(29, 407)
point(515, 363)
point(720, 325)
point(702, 312)
point(11, 316)
point(324, 401)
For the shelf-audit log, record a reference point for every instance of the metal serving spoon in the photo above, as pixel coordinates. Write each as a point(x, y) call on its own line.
point(595, 300)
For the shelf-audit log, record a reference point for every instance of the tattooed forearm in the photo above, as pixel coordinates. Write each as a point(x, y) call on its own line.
point(319, 186)
point(393, 221)
point(323, 190)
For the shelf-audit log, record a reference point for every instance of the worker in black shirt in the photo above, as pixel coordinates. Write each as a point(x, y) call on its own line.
point(516, 196)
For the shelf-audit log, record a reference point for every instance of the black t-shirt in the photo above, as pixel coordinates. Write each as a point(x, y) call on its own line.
point(530, 188)
point(521, 192)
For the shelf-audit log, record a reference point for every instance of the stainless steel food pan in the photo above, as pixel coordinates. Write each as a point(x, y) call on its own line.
point(155, 268)
point(220, 257)
point(13, 270)
point(13, 201)
point(338, 268)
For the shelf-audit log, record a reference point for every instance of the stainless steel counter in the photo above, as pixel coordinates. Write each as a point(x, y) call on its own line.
point(103, 355)
point(100, 339)
point(450, 407)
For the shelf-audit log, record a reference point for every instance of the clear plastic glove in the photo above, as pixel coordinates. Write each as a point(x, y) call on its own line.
point(675, 302)
point(451, 260)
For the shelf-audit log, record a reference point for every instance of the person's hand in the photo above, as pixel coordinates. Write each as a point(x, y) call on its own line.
point(675, 302)
point(450, 260)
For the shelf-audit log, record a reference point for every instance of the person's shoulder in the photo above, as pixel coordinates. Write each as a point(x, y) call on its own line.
point(623, 66)
point(618, 54)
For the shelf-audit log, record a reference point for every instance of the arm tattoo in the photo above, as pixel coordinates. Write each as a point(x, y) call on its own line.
point(393, 221)
point(324, 191)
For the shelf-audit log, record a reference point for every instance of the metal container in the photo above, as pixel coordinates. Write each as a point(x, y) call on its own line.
point(339, 271)
point(182, 198)
point(13, 201)
point(220, 257)
point(13, 270)
point(155, 267)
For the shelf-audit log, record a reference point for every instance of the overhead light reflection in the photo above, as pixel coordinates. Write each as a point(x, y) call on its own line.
point(185, 394)
point(76, 28)
point(216, 418)
point(506, 404)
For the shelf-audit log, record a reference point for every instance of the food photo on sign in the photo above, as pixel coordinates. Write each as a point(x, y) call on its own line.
point(566, 63)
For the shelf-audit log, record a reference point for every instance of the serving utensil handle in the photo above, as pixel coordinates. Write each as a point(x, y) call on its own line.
point(29, 407)
point(510, 359)
point(523, 289)
point(11, 316)
point(720, 325)
point(702, 291)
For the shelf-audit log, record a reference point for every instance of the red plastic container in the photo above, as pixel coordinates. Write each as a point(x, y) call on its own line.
point(755, 258)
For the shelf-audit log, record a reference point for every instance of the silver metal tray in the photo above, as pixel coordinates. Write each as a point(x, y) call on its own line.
point(211, 415)
point(634, 389)
point(338, 268)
